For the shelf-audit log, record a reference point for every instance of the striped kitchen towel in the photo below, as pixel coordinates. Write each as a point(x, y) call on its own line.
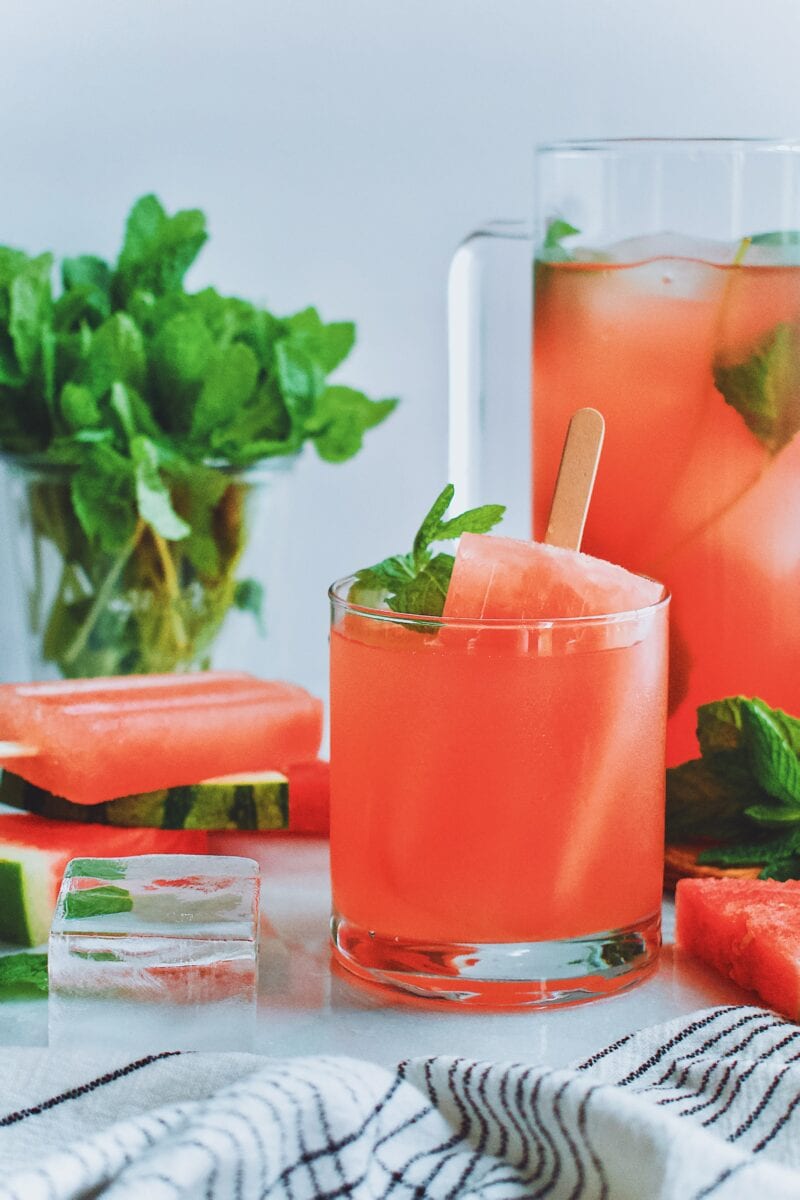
point(707, 1106)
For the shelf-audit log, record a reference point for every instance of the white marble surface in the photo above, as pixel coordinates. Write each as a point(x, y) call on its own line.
point(308, 1006)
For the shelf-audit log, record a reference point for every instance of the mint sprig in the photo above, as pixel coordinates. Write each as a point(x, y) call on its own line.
point(744, 792)
point(416, 583)
point(552, 248)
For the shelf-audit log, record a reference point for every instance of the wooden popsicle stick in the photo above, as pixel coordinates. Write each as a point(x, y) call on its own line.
point(17, 750)
point(575, 481)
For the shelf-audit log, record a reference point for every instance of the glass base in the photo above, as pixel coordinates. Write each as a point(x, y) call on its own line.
point(499, 974)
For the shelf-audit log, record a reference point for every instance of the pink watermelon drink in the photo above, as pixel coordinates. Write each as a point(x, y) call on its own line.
point(692, 359)
point(497, 777)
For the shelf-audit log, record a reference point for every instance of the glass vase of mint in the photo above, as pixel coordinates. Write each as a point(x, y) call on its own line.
point(148, 435)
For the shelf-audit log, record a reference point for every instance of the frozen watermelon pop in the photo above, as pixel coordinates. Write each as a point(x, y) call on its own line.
point(91, 740)
point(499, 578)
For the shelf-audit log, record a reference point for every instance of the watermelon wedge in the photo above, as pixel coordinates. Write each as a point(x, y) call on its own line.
point(502, 578)
point(747, 929)
point(35, 851)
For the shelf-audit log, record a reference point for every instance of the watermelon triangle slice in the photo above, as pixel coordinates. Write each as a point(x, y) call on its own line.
point(502, 578)
point(749, 930)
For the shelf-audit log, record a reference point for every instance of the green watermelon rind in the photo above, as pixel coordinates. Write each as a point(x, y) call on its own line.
point(26, 889)
point(257, 801)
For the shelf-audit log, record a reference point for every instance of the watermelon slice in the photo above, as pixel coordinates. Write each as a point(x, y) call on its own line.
point(254, 800)
point(749, 930)
point(502, 578)
point(34, 853)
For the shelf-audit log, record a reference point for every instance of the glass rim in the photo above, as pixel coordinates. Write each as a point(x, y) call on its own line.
point(337, 594)
point(671, 144)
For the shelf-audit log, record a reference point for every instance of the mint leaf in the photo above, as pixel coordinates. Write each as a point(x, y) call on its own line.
point(182, 350)
point(765, 388)
point(87, 271)
point(773, 815)
point(778, 858)
point(102, 901)
point(116, 354)
point(30, 310)
point(87, 293)
point(201, 492)
point(79, 408)
point(434, 529)
point(104, 496)
point(340, 418)
point(133, 414)
point(22, 973)
point(328, 344)
point(707, 798)
point(158, 250)
point(719, 724)
point(152, 494)
point(229, 382)
point(300, 378)
point(431, 523)
point(417, 583)
point(249, 597)
point(426, 592)
point(552, 249)
point(775, 766)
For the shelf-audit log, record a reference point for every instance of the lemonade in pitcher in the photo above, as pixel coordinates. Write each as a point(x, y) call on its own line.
point(692, 352)
point(666, 294)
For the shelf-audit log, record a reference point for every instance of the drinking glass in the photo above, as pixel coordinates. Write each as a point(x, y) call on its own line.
point(497, 801)
point(666, 295)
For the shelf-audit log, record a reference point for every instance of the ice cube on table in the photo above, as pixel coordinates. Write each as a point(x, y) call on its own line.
point(155, 952)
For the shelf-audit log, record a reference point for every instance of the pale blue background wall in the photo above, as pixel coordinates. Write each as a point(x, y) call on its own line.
point(340, 149)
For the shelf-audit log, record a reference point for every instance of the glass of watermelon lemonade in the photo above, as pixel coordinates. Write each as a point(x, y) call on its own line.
point(497, 800)
point(666, 295)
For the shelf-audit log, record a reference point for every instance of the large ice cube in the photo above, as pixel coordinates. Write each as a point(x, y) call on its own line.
point(671, 245)
point(670, 266)
point(157, 952)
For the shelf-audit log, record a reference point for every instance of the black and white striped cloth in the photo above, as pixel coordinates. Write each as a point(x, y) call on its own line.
point(708, 1106)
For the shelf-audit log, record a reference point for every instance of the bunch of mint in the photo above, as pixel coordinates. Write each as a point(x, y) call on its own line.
point(743, 794)
point(132, 395)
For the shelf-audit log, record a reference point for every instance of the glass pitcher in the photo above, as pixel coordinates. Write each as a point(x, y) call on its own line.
point(667, 295)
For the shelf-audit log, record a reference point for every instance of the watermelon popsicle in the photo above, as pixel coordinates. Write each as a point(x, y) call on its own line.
point(98, 739)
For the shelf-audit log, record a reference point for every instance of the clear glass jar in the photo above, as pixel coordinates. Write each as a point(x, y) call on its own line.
point(212, 599)
point(666, 295)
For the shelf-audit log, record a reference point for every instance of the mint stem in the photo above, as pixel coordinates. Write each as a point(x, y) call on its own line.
point(102, 596)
